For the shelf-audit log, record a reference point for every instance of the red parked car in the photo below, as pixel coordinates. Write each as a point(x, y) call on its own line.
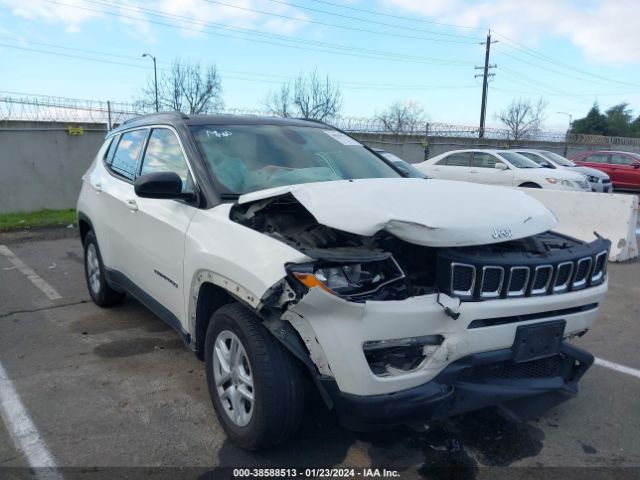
point(622, 167)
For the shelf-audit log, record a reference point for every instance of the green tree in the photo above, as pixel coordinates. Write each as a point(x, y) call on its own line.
point(595, 123)
point(619, 120)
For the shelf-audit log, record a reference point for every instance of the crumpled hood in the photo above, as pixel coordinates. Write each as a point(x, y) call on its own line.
point(434, 213)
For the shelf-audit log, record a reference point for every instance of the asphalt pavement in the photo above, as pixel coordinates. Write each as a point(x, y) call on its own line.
point(115, 391)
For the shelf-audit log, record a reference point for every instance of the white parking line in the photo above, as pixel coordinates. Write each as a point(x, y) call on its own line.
point(617, 367)
point(23, 432)
point(36, 279)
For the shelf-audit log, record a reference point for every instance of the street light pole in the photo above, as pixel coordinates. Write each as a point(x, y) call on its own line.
point(566, 137)
point(155, 76)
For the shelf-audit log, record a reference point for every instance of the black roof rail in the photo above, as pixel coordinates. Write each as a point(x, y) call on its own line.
point(176, 115)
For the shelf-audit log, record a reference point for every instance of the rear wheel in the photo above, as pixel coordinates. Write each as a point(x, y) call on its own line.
point(255, 385)
point(101, 293)
point(530, 185)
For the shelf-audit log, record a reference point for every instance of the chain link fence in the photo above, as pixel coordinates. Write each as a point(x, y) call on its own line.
point(39, 108)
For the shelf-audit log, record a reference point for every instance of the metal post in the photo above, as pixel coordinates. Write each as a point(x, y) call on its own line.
point(155, 77)
point(108, 115)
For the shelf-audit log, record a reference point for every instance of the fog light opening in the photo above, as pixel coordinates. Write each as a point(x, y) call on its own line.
point(402, 355)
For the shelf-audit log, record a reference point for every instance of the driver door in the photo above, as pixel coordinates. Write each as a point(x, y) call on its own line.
point(159, 229)
point(484, 170)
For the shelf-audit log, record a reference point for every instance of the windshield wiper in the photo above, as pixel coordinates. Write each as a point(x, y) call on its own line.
point(229, 196)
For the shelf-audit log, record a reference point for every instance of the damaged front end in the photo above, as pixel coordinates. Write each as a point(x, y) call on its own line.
point(397, 330)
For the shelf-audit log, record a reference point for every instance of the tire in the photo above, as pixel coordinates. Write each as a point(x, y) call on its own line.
point(530, 185)
point(101, 293)
point(264, 368)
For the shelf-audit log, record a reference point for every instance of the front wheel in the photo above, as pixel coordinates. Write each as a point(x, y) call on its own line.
point(254, 383)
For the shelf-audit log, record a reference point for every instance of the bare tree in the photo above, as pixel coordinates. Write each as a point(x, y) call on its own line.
point(403, 117)
point(312, 97)
point(185, 87)
point(523, 118)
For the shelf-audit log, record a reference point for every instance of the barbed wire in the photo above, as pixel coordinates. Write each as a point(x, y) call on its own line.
point(40, 108)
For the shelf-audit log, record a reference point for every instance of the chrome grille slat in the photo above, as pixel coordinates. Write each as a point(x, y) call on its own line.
point(493, 293)
point(579, 282)
point(460, 266)
point(561, 270)
point(518, 292)
point(537, 273)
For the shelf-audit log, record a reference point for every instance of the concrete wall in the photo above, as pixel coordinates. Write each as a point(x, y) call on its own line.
point(41, 164)
point(413, 148)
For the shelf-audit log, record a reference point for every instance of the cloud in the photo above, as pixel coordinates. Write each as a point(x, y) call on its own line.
point(73, 18)
point(606, 31)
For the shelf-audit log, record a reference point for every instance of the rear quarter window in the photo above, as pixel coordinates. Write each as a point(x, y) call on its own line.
point(125, 159)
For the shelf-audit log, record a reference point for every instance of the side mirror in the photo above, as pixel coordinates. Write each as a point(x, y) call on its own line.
point(501, 166)
point(167, 185)
point(636, 165)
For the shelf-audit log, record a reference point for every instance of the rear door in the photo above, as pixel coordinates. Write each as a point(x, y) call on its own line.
point(599, 161)
point(159, 231)
point(484, 170)
point(455, 166)
point(116, 191)
point(625, 171)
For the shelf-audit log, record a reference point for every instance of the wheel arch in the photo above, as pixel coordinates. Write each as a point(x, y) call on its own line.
point(84, 226)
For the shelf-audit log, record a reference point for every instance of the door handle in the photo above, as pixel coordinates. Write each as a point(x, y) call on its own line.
point(132, 205)
point(97, 187)
point(473, 171)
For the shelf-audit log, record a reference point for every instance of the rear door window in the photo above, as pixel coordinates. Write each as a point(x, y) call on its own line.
point(125, 159)
point(596, 158)
point(460, 159)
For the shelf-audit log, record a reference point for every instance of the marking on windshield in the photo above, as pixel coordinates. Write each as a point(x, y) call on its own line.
point(217, 134)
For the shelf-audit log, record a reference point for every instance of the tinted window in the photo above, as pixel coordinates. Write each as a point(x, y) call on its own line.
point(164, 154)
point(112, 150)
point(246, 158)
point(596, 158)
point(559, 159)
point(460, 159)
point(125, 159)
point(622, 160)
point(485, 160)
point(518, 160)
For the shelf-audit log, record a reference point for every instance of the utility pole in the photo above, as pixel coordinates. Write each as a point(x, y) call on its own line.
point(155, 77)
point(485, 80)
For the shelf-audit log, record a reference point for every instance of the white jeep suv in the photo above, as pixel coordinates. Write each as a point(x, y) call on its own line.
point(281, 249)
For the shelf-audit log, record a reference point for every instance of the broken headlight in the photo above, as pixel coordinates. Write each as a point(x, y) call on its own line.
point(351, 281)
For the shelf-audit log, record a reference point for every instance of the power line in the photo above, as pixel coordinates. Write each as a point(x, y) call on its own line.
point(253, 76)
point(337, 49)
point(557, 72)
point(401, 17)
point(360, 19)
point(540, 56)
point(345, 27)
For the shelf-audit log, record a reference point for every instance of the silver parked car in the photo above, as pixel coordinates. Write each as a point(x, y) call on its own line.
point(600, 181)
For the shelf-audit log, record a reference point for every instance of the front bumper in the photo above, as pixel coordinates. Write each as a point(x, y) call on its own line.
point(335, 330)
point(490, 379)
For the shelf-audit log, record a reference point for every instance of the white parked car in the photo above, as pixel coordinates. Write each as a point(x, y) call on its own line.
point(599, 180)
point(500, 167)
point(281, 249)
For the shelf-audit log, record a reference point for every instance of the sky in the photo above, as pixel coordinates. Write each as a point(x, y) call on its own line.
point(570, 52)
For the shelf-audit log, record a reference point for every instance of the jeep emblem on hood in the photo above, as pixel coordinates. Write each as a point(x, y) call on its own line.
point(499, 233)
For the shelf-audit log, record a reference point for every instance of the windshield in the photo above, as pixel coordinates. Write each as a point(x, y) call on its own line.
point(559, 159)
point(518, 160)
point(246, 158)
